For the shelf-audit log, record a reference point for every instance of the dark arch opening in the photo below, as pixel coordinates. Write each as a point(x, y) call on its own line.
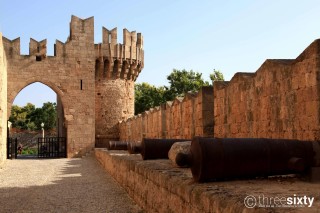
point(97, 68)
point(137, 71)
point(124, 70)
point(115, 69)
point(106, 68)
point(131, 71)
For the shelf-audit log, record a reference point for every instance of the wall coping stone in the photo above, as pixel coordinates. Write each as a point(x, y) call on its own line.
point(159, 186)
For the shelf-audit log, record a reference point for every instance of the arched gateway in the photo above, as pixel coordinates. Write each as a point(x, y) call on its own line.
point(94, 82)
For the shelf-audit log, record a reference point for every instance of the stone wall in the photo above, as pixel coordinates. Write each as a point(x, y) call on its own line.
point(3, 104)
point(159, 186)
point(94, 82)
point(116, 68)
point(182, 118)
point(115, 101)
point(70, 73)
point(280, 100)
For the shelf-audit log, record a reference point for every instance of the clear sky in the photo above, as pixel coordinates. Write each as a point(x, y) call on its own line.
point(231, 36)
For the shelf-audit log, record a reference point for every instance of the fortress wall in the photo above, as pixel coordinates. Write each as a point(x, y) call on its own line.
point(280, 100)
point(3, 104)
point(182, 118)
point(187, 116)
point(70, 73)
point(154, 128)
point(203, 112)
point(116, 68)
point(114, 102)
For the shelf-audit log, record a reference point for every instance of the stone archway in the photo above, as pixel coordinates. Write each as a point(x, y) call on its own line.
point(70, 73)
point(95, 96)
point(61, 129)
point(19, 88)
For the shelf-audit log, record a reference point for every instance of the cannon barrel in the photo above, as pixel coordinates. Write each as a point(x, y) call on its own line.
point(220, 158)
point(134, 148)
point(118, 145)
point(157, 148)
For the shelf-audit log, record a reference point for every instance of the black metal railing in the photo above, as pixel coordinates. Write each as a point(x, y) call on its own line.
point(52, 147)
point(12, 148)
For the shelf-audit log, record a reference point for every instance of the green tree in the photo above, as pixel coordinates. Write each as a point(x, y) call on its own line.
point(29, 117)
point(47, 115)
point(183, 81)
point(49, 111)
point(216, 76)
point(19, 116)
point(180, 82)
point(147, 96)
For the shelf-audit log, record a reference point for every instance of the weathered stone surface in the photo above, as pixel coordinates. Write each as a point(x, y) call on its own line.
point(158, 186)
point(183, 118)
point(94, 83)
point(3, 103)
point(179, 147)
point(280, 100)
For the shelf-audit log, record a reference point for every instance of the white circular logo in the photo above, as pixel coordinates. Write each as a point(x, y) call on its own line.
point(250, 201)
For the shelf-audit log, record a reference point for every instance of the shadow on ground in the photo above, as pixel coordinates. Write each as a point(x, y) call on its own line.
point(76, 185)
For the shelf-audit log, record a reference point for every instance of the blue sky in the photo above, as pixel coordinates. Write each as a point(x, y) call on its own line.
point(231, 36)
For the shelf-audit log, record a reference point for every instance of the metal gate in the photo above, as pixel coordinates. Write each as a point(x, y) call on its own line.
point(12, 148)
point(52, 147)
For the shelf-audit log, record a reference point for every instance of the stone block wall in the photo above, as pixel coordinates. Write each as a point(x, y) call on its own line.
point(114, 102)
point(116, 68)
point(94, 83)
point(70, 73)
point(184, 117)
point(3, 103)
point(280, 100)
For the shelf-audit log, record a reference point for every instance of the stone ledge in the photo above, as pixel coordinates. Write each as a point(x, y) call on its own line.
point(158, 186)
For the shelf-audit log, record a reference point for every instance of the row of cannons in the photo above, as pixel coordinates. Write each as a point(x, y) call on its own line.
point(213, 159)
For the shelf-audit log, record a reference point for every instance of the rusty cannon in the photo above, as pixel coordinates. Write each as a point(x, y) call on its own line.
point(221, 158)
point(157, 148)
point(134, 147)
point(118, 145)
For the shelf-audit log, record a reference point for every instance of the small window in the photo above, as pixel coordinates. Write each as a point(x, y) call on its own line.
point(38, 58)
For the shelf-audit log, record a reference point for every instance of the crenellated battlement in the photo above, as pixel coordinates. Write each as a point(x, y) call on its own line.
point(11, 47)
point(115, 60)
point(38, 49)
point(94, 82)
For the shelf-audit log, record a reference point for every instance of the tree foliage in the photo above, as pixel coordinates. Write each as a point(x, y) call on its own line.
point(216, 76)
point(147, 96)
point(180, 82)
point(29, 117)
point(183, 81)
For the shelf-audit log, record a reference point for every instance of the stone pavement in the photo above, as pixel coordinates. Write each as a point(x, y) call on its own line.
point(61, 185)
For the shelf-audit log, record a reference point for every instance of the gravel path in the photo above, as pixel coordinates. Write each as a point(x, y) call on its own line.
point(61, 185)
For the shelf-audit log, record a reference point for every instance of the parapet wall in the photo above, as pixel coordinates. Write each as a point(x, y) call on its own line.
point(280, 100)
point(182, 118)
point(3, 103)
point(159, 186)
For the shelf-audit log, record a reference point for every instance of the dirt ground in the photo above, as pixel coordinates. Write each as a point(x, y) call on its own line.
point(61, 185)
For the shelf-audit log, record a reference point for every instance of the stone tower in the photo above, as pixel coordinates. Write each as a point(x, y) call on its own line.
point(94, 83)
point(116, 68)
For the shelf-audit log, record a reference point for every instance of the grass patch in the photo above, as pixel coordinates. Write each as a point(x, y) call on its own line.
point(29, 151)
